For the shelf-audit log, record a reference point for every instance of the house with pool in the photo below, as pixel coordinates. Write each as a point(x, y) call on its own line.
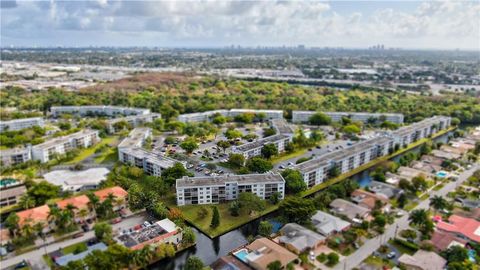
point(263, 251)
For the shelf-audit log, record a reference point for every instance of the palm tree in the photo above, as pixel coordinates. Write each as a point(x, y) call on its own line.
point(94, 203)
point(53, 214)
point(70, 208)
point(438, 203)
point(27, 229)
point(418, 217)
point(83, 213)
point(144, 256)
point(12, 223)
point(27, 202)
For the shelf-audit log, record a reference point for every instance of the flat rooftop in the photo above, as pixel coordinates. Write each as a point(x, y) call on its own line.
point(144, 234)
point(63, 139)
point(260, 142)
point(228, 178)
point(135, 138)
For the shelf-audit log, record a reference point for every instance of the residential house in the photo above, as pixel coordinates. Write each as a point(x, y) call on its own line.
point(34, 216)
point(327, 224)
point(467, 228)
point(229, 262)
point(369, 200)
point(444, 155)
point(432, 160)
point(263, 251)
point(423, 260)
point(453, 150)
point(384, 189)
point(119, 194)
point(299, 239)
point(425, 167)
point(350, 210)
point(65, 259)
point(443, 240)
point(410, 173)
point(81, 207)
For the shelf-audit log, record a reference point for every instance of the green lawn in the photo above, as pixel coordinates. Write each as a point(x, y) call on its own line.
point(287, 156)
point(227, 222)
point(79, 247)
point(410, 206)
point(85, 153)
point(108, 156)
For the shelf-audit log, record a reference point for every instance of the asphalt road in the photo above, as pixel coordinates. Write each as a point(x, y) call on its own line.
point(373, 244)
point(35, 259)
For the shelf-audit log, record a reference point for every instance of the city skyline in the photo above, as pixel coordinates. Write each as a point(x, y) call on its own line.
point(210, 24)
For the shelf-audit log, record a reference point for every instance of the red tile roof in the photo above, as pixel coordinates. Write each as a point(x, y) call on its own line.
point(34, 215)
point(118, 192)
point(78, 201)
point(466, 226)
point(442, 240)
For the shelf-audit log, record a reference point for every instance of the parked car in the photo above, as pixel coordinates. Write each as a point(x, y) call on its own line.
point(391, 255)
point(77, 235)
point(116, 220)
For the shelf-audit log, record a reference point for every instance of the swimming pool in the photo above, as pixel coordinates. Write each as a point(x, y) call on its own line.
point(441, 174)
point(241, 254)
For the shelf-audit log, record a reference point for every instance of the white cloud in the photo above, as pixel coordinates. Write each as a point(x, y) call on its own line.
point(438, 24)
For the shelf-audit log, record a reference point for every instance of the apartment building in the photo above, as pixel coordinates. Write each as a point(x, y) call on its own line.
point(316, 171)
point(132, 120)
point(218, 189)
point(10, 157)
point(95, 110)
point(130, 152)
point(254, 148)
point(365, 117)
point(19, 124)
point(208, 115)
point(201, 116)
point(61, 145)
point(11, 191)
point(419, 130)
point(269, 114)
point(282, 127)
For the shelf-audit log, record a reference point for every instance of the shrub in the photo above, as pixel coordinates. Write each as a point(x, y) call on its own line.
point(322, 257)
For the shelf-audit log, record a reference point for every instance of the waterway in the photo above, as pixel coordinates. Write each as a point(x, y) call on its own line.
point(209, 250)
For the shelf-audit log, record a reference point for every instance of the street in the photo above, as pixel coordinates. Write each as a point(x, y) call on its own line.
point(400, 224)
point(35, 257)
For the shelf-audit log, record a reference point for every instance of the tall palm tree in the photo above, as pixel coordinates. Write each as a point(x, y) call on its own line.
point(418, 217)
point(27, 230)
point(438, 203)
point(94, 203)
point(83, 213)
point(53, 214)
point(27, 202)
point(12, 223)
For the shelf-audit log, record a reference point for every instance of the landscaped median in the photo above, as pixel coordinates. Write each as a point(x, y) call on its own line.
point(229, 222)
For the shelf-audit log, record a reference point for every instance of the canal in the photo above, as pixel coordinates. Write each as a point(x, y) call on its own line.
point(209, 250)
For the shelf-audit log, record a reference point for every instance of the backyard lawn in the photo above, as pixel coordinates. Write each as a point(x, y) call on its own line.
point(87, 152)
point(227, 222)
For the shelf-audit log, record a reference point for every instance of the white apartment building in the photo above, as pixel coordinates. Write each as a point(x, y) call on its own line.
point(136, 138)
point(208, 115)
point(304, 116)
point(269, 114)
point(201, 116)
point(254, 148)
point(423, 129)
point(19, 124)
point(282, 126)
point(218, 189)
point(97, 110)
point(316, 171)
point(133, 120)
point(61, 145)
point(10, 157)
point(130, 152)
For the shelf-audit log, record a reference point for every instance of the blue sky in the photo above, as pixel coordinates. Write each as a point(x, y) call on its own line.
point(352, 24)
